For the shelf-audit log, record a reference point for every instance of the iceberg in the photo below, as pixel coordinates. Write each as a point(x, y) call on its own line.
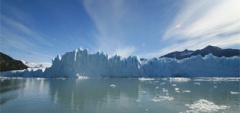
point(81, 63)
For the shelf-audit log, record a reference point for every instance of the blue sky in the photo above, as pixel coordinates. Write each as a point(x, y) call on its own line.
point(39, 30)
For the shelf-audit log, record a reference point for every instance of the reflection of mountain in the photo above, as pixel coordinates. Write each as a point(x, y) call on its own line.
point(7, 89)
point(78, 94)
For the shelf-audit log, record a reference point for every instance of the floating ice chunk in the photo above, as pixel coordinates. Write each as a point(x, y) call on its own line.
point(143, 91)
point(162, 83)
point(156, 87)
point(234, 93)
point(197, 83)
point(164, 90)
point(113, 85)
point(177, 90)
point(39, 78)
point(214, 86)
point(81, 77)
point(179, 79)
point(186, 91)
point(137, 100)
point(145, 79)
point(174, 85)
point(204, 106)
point(162, 98)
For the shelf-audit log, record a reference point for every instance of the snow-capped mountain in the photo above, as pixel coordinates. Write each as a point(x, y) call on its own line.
point(37, 64)
point(216, 51)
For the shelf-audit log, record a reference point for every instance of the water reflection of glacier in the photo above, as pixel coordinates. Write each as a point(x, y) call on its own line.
point(133, 95)
point(129, 95)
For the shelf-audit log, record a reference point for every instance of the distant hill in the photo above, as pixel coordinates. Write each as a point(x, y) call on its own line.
point(216, 51)
point(7, 63)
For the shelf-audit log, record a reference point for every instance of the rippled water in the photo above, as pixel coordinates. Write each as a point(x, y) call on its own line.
point(120, 95)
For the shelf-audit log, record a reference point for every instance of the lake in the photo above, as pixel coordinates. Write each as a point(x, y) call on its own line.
point(119, 95)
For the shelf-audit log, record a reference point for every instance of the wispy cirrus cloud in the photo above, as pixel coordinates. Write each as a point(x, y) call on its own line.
point(201, 23)
point(108, 16)
point(20, 28)
point(17, 38)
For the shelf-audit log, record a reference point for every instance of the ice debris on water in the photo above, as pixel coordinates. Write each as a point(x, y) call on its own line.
point(162, 98)
point(178, 79)
point(186, 91)
point(204, 106)
point(145, 79)
point(234, 92)
point(177, 90)
point(113, 85)
point(174, 85)
point(197, 83)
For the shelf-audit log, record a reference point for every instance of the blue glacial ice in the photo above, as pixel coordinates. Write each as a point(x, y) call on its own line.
point(81, 63)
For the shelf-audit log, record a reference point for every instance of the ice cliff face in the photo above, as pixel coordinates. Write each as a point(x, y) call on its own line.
point(81, 63)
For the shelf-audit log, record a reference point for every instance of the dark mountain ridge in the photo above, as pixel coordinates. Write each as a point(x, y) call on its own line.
point(216, 51)
point(7, 63)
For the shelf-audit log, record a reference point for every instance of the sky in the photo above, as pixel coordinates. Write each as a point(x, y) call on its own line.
point(39, 30)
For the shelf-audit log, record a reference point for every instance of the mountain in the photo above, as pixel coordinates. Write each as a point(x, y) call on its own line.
point(7, 63)
point(216, 51)
point(37, 64)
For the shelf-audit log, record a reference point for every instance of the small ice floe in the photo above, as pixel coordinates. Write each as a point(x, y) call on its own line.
point(186, 91)
point(214, 86)
point(146, 110)
point(178, 79)
point(162, 98)
point(145, 79)
point(61, 78)
point(204, 106)
point(137, 100)
point(113, 85)
point(164, 90)
point(177, 90)
point(156, 87)
point(38, 78)
point(144, 92)
point(81, 77)
point(234, 93)
point(197, 83)
point(174, 85)
point(162, 83)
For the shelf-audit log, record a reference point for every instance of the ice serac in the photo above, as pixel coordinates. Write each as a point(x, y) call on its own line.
point(81, 63)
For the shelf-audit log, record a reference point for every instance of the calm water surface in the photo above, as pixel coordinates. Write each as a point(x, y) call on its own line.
point(119, 95)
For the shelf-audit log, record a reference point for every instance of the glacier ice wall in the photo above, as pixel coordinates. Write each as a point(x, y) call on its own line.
point(81, 63)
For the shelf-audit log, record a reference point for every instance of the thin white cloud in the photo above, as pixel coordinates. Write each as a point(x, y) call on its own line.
point(204, 18)
point(19, 27)
point(124, 52)
point(107, 16)
point(202, 23)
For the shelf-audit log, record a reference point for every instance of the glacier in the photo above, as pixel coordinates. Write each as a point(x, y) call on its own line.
point(81, 63)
